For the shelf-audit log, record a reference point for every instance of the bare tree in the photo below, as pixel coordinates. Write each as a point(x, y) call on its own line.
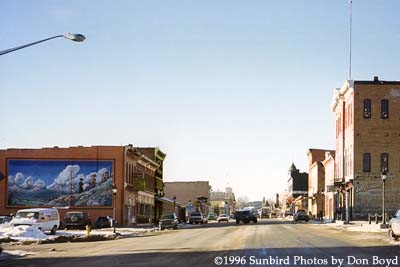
point(241, 202)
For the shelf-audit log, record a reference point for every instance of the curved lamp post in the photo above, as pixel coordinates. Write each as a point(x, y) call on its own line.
point(71, 36)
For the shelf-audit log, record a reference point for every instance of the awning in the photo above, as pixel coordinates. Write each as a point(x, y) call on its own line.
point(168, 200)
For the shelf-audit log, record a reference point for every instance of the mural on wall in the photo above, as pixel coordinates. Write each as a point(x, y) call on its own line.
point(59, 183)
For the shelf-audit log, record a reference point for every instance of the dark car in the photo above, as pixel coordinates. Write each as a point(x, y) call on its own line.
point(103, 222)
point(245, 216)
point(301, 215)
point(76, 219)
point(169, 221)
point(5, 219)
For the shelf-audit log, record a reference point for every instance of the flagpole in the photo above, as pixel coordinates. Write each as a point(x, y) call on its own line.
point(350, 44)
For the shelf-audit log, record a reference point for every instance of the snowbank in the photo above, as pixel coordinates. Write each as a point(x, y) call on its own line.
point(21, 232)
point(32, 233)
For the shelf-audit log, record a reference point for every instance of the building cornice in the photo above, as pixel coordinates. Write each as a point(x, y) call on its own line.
point(338, 93)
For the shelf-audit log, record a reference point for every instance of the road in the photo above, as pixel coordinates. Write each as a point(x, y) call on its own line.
point(271, 242)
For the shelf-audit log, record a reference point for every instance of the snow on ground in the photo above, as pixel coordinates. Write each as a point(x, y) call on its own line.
point(25, 232)
point(19, 253)
point(21, 232)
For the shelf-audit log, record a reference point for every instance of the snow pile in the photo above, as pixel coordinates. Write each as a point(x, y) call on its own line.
point(21, 232)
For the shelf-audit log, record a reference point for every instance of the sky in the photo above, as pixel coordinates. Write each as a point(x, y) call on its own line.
point(232, 91)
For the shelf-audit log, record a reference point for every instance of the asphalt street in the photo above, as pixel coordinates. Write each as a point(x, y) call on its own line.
point(267, 243)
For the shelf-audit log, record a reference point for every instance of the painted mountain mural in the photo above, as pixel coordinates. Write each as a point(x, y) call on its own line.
point(59, 183)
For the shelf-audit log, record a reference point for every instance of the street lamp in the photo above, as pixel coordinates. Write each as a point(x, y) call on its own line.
point(174, 203)
point(383, 176)
point(114, 190)
point(70, 36)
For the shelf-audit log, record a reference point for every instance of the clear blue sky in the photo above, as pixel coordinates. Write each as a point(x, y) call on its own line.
point(232, 91)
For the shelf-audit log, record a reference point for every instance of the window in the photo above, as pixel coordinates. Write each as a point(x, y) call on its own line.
point(367, 108)
point(385, 161)
point(385, 109)
point(367, 162)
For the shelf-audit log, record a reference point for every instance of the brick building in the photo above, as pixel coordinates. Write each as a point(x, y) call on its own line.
point(80, 178)
point(316, 181)
point(367, 141)
point(157, 156)
point(193, 195)
point(329, 192)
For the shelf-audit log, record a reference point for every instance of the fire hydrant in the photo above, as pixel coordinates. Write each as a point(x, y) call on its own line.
point(88, 230)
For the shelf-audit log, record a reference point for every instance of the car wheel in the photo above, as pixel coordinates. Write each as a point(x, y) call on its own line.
point(255, 221)
point(237, 221)
point(392, 235)
point(53, 230)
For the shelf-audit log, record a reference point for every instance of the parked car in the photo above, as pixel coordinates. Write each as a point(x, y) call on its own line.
point(196, 217)
point(212, 217)
point(169, 221)
point(264, 213)
point(44, 219)
point(394, 226)
point(288, 213)
point(245, 216)
point(223, 218)
point(76, 219)
point(104, 222)
point(301, 215)
point(5, 218)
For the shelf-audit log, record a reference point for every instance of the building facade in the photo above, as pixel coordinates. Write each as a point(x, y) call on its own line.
point(297, 182)
point(157, 156)
point(330, 205)
point(367, 142)
point(80, 179)
point(194, 195)
point(316, 182)
point(297, 188)
point(222, 202)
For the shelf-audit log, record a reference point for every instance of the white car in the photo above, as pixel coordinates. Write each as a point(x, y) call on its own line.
point(394, 226)
point(222, 218)
point(43, 219)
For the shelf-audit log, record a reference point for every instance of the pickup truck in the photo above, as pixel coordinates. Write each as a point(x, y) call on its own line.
point(245, 216)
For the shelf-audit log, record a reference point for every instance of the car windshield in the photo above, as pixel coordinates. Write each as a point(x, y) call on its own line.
point(27, 214)
point(222, 215)
point(169, 216)
point(195, 214)
point(397, 215)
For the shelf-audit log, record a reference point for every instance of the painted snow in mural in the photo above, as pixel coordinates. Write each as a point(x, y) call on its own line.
point(59, 183)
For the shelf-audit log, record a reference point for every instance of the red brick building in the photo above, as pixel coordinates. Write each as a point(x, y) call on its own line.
point(80, 178)
point(367, 142)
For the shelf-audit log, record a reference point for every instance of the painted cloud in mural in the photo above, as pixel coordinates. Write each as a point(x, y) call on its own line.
point(63, 181)
point(19, 182)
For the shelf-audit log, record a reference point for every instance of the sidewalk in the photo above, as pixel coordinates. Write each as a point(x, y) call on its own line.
point(358, 226)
